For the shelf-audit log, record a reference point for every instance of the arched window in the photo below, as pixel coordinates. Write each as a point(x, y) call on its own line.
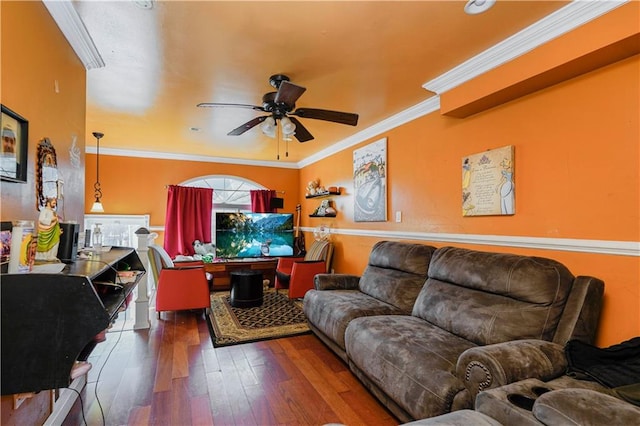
point(230, 193)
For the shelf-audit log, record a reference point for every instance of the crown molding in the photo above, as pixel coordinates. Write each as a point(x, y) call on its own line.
point(69, 22)
point(562, 21)
point(570, 17)
point(188, 157)
point(430, 105)
point(423, 108)
point(618, 248)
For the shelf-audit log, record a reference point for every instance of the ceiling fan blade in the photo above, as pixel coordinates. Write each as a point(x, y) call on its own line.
point(247, 126)
point(223, 105)
point(326, 115)
point(302, 134)
point(288, 93)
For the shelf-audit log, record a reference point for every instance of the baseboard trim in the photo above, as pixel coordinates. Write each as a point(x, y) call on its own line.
point(618, 248)
point(65, 401)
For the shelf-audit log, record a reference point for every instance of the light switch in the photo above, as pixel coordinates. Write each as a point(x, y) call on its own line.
point(398, 216)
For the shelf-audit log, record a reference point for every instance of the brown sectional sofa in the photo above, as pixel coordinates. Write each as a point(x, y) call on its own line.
point(427, 329)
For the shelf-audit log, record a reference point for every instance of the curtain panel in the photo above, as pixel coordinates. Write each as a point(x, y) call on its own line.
point(261, 200)
point(188, 219)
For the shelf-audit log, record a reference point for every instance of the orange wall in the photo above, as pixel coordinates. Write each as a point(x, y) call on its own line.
point(138, 185)
point(34, 55)
point(576, 174)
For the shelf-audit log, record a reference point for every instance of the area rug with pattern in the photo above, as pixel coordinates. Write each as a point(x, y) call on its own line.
point(277, 317)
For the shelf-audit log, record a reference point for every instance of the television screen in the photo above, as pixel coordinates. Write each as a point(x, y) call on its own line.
point(254, 234)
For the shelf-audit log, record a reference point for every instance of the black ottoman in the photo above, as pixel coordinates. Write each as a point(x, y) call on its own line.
point(246, 289)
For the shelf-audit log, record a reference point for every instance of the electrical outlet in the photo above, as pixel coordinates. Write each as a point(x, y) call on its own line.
point(398, 216)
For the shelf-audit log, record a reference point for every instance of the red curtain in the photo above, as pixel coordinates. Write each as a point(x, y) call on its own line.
point(188, 219)
point(261, 200)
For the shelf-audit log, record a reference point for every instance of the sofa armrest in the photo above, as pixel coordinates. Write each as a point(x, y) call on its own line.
point(584, 406)
point(336, 282)
point(490, 366)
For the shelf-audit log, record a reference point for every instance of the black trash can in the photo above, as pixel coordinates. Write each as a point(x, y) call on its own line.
point(246, 289)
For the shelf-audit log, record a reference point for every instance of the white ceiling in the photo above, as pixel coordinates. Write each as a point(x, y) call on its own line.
point(366, 57)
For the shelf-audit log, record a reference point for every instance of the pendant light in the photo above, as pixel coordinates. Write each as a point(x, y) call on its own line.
point(97, 204)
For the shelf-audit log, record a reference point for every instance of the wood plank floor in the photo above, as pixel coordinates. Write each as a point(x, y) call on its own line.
point(172, 375)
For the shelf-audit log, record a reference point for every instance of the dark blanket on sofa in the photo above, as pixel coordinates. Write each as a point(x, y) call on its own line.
point(617, 365)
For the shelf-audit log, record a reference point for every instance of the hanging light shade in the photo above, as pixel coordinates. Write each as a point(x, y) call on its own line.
point(268, 127)
point(97, 204)
point(288, 128)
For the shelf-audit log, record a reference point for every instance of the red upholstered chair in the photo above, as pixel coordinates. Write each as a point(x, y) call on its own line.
point(179, 287)
point(296, 273)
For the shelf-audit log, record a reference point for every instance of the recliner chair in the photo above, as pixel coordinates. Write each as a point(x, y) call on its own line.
point(296, 273)
point(179, 287)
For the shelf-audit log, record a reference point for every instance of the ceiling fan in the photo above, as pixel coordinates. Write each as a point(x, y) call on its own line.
point(280, 105)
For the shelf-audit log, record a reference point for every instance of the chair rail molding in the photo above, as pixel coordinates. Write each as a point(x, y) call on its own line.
point(618, 248)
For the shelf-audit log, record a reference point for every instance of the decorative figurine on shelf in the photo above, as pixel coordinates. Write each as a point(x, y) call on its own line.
point(48, 232)
point(324, 209)
point(313, 187)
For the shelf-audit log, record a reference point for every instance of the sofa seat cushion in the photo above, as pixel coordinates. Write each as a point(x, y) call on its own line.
point(331, 311)
point(413, 361)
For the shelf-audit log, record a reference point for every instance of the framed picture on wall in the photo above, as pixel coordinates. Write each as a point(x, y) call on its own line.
point(13, 153)
point(5, 250)
point(370, 182)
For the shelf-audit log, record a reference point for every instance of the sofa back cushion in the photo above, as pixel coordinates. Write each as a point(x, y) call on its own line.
point(396, 272)
point(494, 297)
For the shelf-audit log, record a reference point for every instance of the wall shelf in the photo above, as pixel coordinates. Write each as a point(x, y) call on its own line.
point(320, 215)
point(324, 194)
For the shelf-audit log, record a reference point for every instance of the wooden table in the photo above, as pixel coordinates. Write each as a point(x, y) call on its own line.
point(221, 270)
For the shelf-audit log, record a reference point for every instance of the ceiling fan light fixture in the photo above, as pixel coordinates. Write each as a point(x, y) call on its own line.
point(474, 7)
point(288, 127)
point(268, 127)
point(288, 137)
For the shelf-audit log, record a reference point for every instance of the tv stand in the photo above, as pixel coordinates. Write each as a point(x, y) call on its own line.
point(221, 270)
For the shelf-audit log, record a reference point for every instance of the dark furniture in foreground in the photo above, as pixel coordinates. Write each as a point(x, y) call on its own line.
point(478, 320)
point(559, 402)
point(221, 270)
point(50, 320)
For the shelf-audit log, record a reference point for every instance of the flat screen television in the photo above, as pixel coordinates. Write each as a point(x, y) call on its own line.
point(246, 235)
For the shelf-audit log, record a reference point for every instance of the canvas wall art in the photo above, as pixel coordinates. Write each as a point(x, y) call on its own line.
point(370, 182)
point(488, 185)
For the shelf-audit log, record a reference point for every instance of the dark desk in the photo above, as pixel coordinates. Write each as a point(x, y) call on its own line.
point(221, 271)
